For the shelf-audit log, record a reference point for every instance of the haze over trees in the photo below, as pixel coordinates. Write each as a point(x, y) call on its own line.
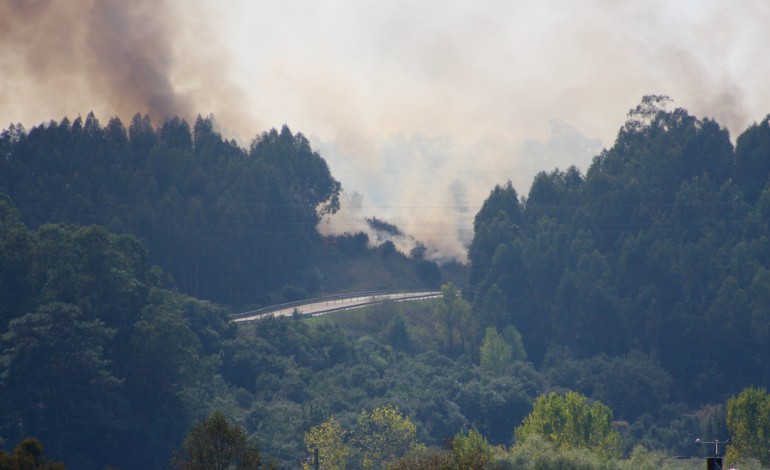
point(658, 254)
point(633, 297)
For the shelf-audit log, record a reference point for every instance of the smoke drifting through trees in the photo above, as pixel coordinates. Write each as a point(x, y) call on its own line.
point(431, 188)
point(122, 49)
point(489, 76)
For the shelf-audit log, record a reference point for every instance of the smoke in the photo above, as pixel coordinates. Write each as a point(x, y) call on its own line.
point(432, 187)
point(114, 56)
point(130, 56)
point(420, 108)
point(470, 70)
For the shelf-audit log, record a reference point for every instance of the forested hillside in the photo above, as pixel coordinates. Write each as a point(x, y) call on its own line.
point(99, 360)
point(608, 319)
point(230, 225)
point(659, 255)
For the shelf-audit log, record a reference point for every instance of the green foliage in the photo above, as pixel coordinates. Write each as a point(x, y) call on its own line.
point(377, 438)
point(471, 451)
point(619, 282)
point(305, 175)
point(428, 271)
point(440, 393)
point(383, 435)
point(332, 444)
point(496, 354)
point(217, 444)
point(162, 331)
point(387, 249)
point(466, 452)
point(101, 352)
point(27, 455)
point(748, 418)
point(664, 234)
point(634, 383)
point(290, 293)
point(54, 358)
point(569, 421)
point(538, 453)
point(229, 224)
point(398, 333)
point(454, 318)
point(513, 337)
point(425, 459)
point(58, 379)
point(752, 159)
point(16, 277)
point(492, 310)
point(382, 226)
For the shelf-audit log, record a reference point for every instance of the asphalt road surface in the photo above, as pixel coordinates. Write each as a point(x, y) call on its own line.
point(334, 305)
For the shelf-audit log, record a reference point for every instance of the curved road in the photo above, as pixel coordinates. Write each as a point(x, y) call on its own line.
point(333, 304)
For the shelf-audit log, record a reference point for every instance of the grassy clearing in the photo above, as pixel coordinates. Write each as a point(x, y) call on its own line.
point(375, 319)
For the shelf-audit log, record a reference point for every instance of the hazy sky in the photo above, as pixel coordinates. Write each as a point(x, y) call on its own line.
point(421, 107)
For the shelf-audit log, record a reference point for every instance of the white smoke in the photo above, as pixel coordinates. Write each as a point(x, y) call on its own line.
point(411, 101)
point(431, 188)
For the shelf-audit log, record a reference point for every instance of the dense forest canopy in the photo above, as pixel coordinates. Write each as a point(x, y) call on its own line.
point(99, 358)
point(638, 291)
point(660, 249)
point(229, 224)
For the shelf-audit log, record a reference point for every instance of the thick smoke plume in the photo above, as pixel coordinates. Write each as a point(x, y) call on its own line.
point(418, 107)
point(116, 53)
